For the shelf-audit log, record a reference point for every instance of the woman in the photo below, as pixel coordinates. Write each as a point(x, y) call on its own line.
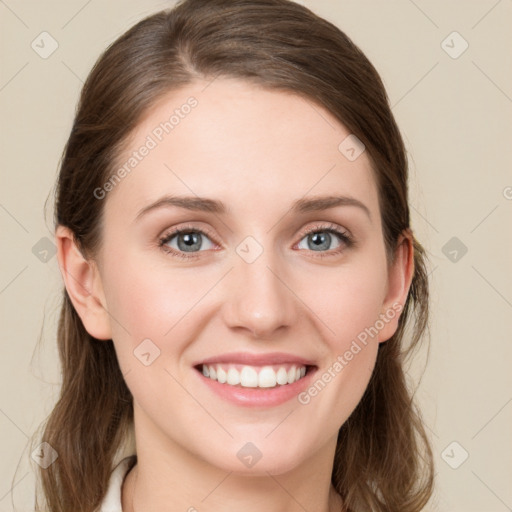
point(233, 234)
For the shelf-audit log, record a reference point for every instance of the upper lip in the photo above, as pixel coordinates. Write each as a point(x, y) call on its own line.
point(268, 358)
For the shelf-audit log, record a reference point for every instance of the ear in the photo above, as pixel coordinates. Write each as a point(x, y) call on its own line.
point(83, 284)
point(400, 274)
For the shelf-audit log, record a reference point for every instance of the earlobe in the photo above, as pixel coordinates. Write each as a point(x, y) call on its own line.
point(83, 284)
point(400, 275)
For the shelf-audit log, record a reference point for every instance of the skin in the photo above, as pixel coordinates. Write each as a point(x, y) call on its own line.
point(257, 151)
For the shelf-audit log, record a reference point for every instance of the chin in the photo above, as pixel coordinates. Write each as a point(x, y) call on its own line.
point(250, 460)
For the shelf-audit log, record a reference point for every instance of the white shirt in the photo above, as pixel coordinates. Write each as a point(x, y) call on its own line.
point(112, 500)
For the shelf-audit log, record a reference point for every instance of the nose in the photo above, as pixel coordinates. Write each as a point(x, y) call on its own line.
point(259, 299)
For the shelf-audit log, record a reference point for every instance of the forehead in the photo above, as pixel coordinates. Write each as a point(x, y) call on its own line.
point(252, 148)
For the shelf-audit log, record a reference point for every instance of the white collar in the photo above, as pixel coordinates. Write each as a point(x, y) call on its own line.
point(112, 500)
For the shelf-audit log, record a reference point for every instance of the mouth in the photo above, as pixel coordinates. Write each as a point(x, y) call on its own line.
point(255, 380)
point(255, 376)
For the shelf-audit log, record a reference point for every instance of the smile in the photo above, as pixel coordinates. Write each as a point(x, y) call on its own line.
point(255, 380)
point(254, 376)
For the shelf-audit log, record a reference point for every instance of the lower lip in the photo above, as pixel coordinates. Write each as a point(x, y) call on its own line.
point(258, 397)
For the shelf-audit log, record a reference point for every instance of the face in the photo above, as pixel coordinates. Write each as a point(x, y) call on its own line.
point(261, 285)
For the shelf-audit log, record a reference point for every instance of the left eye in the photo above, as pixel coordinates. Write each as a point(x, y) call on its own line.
point(321, 239)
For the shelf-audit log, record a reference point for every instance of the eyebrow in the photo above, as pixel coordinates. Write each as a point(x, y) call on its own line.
point(203, 204)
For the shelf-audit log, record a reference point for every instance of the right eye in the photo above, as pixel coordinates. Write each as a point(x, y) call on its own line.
point(179, 242)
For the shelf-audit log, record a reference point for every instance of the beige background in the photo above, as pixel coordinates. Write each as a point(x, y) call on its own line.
point(455, 114)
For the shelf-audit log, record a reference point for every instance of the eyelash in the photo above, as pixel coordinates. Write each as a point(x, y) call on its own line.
point(344, 236)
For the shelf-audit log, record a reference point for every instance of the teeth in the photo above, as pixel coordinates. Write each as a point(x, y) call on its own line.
point(282, 376)
point(267, 377)
point(254, 376)
point(233, 377)
point(221, 375)
point(248, 377)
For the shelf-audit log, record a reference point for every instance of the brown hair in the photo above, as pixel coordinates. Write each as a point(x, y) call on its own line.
point(383, 460)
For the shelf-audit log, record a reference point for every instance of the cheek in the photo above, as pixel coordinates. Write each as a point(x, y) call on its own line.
point(349, 300)
point(154, 323)
point(148, 299)
point(349, 309)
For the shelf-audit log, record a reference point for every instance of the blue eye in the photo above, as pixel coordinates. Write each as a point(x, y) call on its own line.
point(190, 241)
point(320, 237)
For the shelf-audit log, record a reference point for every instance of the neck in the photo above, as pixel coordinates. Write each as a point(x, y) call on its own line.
point(233, 497)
